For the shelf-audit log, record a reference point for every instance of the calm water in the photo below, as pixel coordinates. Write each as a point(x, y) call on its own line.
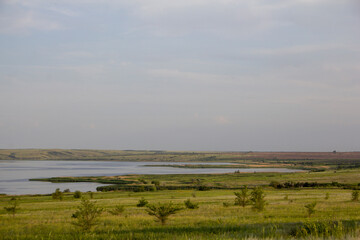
point(15, 175)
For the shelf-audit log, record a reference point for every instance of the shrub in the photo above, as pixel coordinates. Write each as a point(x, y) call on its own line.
point(13, 206)
point(118, 210)
point(355, 196)
point(203, 188)
point(57, 194)
point(226, 204)
point(67, 190)
point(310, 208)
point(242, 197)
point(142, 202)
point(91, 194)
point(142, 181)
point(191, 205)
point(77, 194)
point(258, 199)
point(327, 196)
point(87, 215)
point(156, 182)
point(162, 211)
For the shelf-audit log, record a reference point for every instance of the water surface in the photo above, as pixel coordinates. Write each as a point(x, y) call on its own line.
point(15, 175)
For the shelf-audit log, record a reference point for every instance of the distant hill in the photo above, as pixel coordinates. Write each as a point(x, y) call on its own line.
point(171, 156)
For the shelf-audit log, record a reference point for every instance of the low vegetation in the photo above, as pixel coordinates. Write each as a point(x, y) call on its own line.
point(41, 216)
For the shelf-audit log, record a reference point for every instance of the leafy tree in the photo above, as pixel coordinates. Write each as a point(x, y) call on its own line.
point(162, 211)
point(13, 206)
point(355, 196)
point(142, 202)
point(258, 199)
point(242, 197)
point(87, 215)
point(77, 194)
point(191, 205)
point(310, 208)
point(118, 210)
point(57, 194)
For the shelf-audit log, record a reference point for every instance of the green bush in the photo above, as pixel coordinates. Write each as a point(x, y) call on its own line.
point(57, 194)
point(226, 204)
point(355, 196)
point(156, 183)
point(242, 197)
point(310, 208)
point(142, 202)
point(327, 196)
point(118, 210)
point(258, 199)
point(162, 211)
point(77, 194)
point(191, 205)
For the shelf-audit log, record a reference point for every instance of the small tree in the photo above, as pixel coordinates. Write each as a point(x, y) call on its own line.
point(258, 199)
point(242, 197)
point(87, 215)
point(57, 194)
point(77, 194)
point(142, 202)
point(13, 206)
point(118, 210)
point(191, 205)
point(355, 196)
point(310, 208)
point(162, 211)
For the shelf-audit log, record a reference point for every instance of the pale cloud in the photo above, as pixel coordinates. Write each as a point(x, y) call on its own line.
point(199, 74)
point(24, 21)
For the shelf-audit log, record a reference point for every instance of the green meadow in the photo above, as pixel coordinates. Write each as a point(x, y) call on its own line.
point(336, 216)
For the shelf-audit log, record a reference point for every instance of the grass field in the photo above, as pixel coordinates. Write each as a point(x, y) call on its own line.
point(41, 217)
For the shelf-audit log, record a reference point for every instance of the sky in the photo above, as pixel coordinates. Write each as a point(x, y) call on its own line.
point(192, 75)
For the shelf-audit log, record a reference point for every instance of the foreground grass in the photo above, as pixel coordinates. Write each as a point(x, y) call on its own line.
point(41, 217)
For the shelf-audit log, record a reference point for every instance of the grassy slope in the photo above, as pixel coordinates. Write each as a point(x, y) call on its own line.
point(233, 180)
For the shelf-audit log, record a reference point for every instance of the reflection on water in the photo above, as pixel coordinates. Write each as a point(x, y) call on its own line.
point(14, 175)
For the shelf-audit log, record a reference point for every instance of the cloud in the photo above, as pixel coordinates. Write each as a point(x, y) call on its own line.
point(22, 20)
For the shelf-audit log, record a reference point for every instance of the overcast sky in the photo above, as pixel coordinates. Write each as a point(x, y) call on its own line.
point(231, 75)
